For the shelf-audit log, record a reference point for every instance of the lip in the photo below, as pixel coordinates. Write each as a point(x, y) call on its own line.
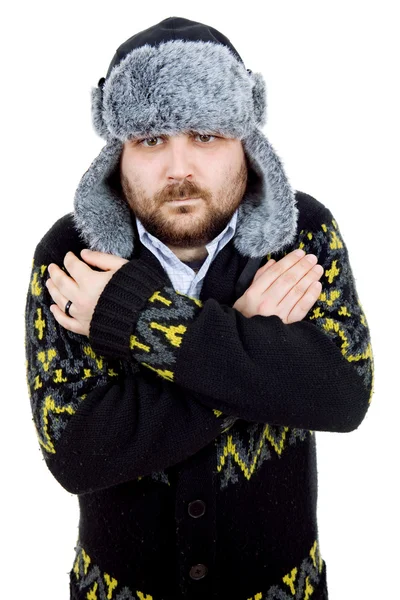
point(183, 200)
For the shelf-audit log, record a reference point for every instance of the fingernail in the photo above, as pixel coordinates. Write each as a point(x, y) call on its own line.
point(299, 252)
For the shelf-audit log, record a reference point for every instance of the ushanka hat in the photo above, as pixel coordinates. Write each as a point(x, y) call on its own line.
point(177, 76)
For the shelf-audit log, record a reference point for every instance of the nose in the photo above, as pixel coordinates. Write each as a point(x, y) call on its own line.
point(179, 159)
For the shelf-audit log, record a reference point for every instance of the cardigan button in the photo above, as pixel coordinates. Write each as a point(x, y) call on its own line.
point(198, 571)
point(197, 508)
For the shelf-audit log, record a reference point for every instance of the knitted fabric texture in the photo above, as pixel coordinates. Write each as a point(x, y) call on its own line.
point(187, 430)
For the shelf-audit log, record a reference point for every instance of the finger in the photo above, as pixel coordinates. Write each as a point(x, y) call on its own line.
point(103, 260)
point(67, 286)
point(57, 296)
point(78, 269)
point(306, 302)
point(264, 268)
point(276, 271)
point(301, 290)
point(67, 322)
point(279, 280)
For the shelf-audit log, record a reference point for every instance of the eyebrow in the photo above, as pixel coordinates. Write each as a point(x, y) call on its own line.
point(195, 132)
point(192, 131)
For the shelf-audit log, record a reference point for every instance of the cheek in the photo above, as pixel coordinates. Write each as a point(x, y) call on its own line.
point(138, 181)
point(145, 175)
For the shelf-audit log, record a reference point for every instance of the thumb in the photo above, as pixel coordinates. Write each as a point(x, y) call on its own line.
point(103, 260)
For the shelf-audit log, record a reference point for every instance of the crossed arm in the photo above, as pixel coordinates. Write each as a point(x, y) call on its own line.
point(162, 374)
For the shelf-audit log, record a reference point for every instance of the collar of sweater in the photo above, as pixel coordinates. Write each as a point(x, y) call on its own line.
point(267, 215)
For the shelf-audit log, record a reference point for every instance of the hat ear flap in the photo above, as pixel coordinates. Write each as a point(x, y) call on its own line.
point(97, 112)
point(259, 98)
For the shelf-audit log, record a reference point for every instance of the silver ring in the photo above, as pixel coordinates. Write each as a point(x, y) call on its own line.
point(67, 307)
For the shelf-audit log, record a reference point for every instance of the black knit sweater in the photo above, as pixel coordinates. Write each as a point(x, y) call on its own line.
point(188, 430)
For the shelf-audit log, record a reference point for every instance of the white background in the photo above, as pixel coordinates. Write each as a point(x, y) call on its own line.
point(332, 117)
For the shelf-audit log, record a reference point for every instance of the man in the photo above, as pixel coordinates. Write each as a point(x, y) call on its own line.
point(179, 367)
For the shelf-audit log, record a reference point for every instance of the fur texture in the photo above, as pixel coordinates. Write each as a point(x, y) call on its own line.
point(174, 87)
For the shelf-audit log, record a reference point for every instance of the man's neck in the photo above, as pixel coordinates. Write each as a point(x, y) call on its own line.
point(189, 254)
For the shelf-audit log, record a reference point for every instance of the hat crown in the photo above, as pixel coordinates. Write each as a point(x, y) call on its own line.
point(172, 28)
point(174, 76)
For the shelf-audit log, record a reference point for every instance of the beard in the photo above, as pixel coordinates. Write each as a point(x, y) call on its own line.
point(189, 225)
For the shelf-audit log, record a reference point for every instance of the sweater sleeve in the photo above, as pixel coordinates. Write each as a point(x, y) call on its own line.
point(314, 374)
point(103, 421)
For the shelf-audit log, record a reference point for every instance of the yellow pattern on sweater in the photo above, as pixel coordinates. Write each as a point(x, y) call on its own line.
point(337, 311)
point(301, 580)
point(46, 369)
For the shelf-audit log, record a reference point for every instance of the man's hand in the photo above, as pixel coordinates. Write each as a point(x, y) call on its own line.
point(83, 288)
point(287, 288)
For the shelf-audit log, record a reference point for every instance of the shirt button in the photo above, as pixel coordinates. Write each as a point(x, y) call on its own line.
point(198, 571)
point(196, 509)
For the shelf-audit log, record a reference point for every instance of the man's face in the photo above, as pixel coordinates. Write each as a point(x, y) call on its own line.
point(156, 173)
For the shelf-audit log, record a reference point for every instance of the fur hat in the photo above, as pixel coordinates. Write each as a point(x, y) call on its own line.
point(177, 76)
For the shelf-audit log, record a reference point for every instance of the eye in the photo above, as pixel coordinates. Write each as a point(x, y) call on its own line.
point(158, 137)
point(205, 135)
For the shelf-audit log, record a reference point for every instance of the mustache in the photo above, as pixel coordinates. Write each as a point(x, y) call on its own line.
point(189, 190)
